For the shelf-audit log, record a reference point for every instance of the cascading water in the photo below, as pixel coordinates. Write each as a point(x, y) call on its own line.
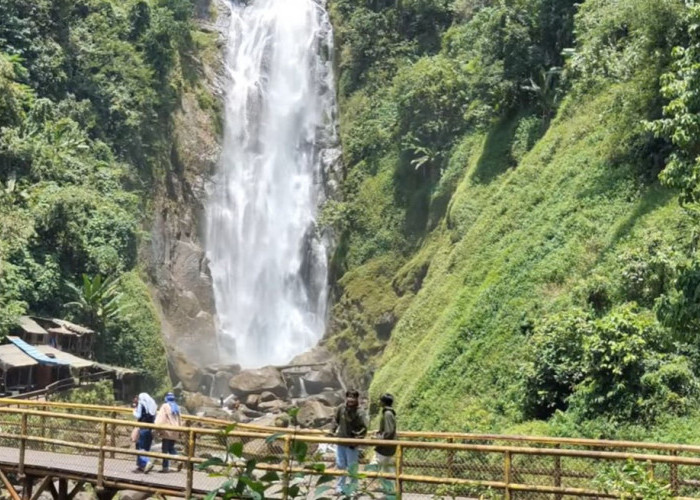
point(267, 258)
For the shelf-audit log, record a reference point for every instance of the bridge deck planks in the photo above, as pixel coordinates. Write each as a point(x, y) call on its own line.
point(116, 470)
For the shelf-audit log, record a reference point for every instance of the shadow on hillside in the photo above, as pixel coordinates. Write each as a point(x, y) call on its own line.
point(496, 157)
point(656, 197)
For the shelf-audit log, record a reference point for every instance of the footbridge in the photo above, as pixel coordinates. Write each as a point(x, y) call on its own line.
point(59, 449)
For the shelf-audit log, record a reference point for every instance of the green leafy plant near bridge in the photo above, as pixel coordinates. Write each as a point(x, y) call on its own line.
point(241, 476)
point(632, 480)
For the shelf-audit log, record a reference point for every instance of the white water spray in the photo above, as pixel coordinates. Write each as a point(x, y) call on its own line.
point(268, 262)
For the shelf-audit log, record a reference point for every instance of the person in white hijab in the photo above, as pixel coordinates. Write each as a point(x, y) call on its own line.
point(145, 409)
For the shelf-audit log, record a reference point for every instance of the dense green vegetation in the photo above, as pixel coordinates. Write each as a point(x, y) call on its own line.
point(514, 256)
point(87, 88)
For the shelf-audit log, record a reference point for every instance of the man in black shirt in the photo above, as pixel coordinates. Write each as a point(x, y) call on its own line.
point(349, 423)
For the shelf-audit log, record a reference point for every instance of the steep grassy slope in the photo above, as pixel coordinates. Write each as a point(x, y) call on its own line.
point(510, 260)
point(524, 244)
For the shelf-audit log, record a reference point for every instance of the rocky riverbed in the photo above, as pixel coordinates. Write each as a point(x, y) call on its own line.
point(310, 382)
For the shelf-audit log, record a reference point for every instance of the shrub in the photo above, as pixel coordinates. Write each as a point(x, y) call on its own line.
point(559, 362)
point(622, 358)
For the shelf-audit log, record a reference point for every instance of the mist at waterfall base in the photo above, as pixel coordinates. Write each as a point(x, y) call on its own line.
point(267, 257)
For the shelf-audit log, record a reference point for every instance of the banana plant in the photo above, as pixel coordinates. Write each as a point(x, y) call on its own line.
point(98, 299)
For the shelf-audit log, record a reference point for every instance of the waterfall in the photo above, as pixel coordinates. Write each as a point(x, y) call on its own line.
point(267, 257)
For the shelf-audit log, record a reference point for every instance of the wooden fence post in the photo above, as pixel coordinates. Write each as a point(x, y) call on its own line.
point(674, 475)
point(190, 465)
point(42, 446)
point(113, 434)
point(399, 471)
point(22, 444)
point(557, 474)
point(506, 474)
point(450, 460)
point(101, 458)
point(286, 466)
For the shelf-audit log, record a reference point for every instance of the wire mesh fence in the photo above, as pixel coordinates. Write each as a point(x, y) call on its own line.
point(98, 442)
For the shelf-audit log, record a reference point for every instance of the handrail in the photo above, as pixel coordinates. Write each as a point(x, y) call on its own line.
point(405, 435)
point(473, 465)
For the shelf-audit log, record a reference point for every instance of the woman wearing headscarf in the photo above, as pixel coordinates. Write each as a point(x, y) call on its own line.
point(169, 414)
point(145, 409)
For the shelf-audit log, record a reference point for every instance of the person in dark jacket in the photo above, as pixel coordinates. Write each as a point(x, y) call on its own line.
point(349, 423)
point(145, 409)
point(384, 454)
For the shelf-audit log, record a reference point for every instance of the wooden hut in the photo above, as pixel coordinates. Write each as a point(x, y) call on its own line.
point(30, 331)
point(17, 370)
point(67, 336)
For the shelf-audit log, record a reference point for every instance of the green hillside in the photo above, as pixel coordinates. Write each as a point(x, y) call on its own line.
point(510, 255)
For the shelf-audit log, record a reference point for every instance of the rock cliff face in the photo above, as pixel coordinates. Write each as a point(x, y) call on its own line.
point(176, 261)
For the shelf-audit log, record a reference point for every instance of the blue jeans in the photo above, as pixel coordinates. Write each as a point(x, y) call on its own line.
point(344, 458)
point(144, 443)
point(168, 448)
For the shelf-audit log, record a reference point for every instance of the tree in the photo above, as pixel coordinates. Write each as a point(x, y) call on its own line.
point(97, 300)
point(681, 116)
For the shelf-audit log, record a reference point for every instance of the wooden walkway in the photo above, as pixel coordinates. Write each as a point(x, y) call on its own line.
point(84, 468)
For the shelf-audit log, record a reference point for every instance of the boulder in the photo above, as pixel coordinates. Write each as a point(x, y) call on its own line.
point(185, 371)
point(315, 356)
point(241, 418)
point(267, 396)
point(314, 414)
point(258, 381)
point(233, 369)
point(249, 412)
point(219, 414)
point(329, 398)
point(260, 448)
point(195, 402)
point(274, 406)
point(316, 381)
point(252, 401)
point(267, 420)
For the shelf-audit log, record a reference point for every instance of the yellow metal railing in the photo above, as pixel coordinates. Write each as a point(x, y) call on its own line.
point(424, 463)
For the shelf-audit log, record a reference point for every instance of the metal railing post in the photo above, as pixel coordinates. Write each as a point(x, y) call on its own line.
point(101, 459)
point(190, 465)
point(22, 444)
point(286, 465)
point(506, 474)
point(399, 471)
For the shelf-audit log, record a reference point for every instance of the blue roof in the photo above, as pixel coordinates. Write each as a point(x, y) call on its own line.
point(32, 351)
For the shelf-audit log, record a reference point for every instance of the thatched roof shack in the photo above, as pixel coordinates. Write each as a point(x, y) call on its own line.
point(57, 333)
point(25, 367)
point(30, 331)
point(17, 369)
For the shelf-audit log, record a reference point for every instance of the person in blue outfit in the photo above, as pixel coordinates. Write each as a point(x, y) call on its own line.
point(145, 409)
point(169, 414)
